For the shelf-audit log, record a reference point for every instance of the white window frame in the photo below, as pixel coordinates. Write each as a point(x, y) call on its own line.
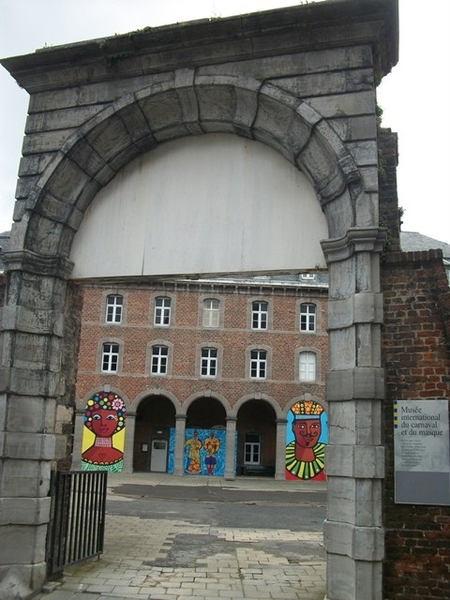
point(159, 359)
point(211, 312)
point(252, 449)
point(114, 308)
point(307, 366)
point(163, 311)
point(110, 357)
point(208, 361)
point(260, 315)
point(258, 364)
point(308, 317)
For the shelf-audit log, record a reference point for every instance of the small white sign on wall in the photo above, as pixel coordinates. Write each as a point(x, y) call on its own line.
point(422, 452)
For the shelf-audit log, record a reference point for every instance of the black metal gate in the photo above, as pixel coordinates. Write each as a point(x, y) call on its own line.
point(77, 524)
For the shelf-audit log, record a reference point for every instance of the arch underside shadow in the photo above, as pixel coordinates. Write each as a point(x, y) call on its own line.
point(139, 122)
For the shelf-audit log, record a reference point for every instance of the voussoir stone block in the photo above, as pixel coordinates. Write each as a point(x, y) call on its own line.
point(161, 109)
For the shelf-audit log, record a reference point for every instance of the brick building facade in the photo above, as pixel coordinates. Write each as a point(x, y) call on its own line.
point(233, 355)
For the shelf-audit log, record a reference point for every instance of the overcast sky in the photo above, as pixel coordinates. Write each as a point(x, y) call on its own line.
point(415, 97)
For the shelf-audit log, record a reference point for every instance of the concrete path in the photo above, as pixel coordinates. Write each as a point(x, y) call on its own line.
point(134, 562)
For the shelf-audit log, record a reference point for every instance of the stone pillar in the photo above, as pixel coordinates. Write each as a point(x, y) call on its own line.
point(180, 427)
point(77, 438)
point(30, 379)
point(280, 458)
point(355, 388)
point(230, 463)
point(128, 451)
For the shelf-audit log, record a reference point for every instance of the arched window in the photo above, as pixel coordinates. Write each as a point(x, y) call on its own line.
point(162, 311)
point(160, 359)
point(307, 366)
point(114, 308)
point(208, 362)
point(260, 311)
point(258, 364)
point(211, 312)
point(308, 317)
point(110, 357)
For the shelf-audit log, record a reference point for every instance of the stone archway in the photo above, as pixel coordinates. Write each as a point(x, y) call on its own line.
point(97, 150)
point(139, 122)
point(194, 102)
point(69, 184)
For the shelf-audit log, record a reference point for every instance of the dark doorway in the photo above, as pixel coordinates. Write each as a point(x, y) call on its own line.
point(256, 432)
point(154, 418)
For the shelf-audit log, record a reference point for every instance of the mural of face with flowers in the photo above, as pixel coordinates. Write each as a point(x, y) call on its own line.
point(104, 420)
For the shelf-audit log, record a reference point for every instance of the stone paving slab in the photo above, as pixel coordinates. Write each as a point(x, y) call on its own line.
point(133, 546)
point(135, 559)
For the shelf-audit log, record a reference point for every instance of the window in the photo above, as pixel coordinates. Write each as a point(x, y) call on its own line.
point(160, 357)
point(307, 366)
point(258, 364)
point(259, 315)
point(162, 311)
point(114, 306)
point(307, 317)
point(110, 357)
point(209, 362)
point(252, 449)
point(211, 312)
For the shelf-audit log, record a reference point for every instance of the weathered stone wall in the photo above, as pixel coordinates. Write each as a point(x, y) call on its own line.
point(416, 349)
point(65, 407)
point(390, 218)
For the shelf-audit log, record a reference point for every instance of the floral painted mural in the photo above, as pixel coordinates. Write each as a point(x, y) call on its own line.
point(306, 438)
point(103, 439)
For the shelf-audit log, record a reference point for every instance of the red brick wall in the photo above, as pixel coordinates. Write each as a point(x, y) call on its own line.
point(416, 347)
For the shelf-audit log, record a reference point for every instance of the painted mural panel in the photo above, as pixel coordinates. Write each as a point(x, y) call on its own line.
point(306, 438)
point(204, 452)
point(103, 438)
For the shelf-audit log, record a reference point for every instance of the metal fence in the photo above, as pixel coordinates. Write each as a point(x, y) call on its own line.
point(77, 523)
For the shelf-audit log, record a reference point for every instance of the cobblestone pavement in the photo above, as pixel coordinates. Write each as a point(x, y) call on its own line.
point(151, 559)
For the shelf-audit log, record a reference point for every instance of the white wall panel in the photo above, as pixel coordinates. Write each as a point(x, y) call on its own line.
point(210, 204)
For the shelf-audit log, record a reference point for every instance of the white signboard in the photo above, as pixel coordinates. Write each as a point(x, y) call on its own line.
point(422, 452)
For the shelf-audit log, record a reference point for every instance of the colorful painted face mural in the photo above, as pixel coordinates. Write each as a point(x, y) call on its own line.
point(306, 437)
point(104, 422)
